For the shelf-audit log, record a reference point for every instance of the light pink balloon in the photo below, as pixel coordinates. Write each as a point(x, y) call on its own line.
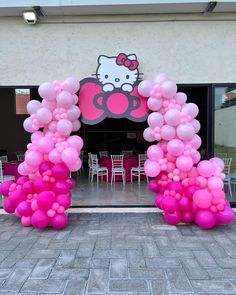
point(196, 125)
point(75, 142)
point(147, 135)
point(215, 183)
point(202, 181)
point(154, 104)
point(44, 116)
point(51, 105)
point(64, 127)
point(192, 109)
point(206, 168)
point(26, 220)
point(162, 77)
point(37, 135)
point(33, 158)
point(73, 85)
point(33, 106)
point(45, 145)
point(73, 113)
point(54, 156)
point(195, 142)
point(196, 157)
point(218, 163)
point(76, 125)
point(144, 87)
point(172, 117)
point(184, 163)
point(180, 98)
point(75, 166)
point(27, 124)
point(151, 168)
point(69, 155)
point(52, 126)
point(75, 98)
point(168, 89)
point(155, 119)
point(202, 198)
point(47, 91)
point(155, 153)
point(175, 147)
point(65, 100)
point(167, 132)
point(185, 131)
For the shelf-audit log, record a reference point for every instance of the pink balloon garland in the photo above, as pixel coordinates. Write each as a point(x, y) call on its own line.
point(41, 196)
point(187, 189)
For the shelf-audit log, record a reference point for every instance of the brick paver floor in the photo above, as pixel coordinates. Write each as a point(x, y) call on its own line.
point(117, 254)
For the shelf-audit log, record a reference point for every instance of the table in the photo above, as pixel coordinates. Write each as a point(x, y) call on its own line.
point(128, 163)
point(10, 168)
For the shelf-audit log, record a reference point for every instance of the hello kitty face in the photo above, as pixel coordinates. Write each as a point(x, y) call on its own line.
point(117, 72)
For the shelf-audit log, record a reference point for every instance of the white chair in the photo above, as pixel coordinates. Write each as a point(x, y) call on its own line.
point(117, 167)
point(96, 169)
point(227, 180)
point(103, 154)
point(5, 177)
point(3, 159)
point(221, 155)
point(138, 171)
point(127, 153)
point(20, 158)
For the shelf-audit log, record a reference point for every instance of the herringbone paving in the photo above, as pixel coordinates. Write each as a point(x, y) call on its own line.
point(116, 254)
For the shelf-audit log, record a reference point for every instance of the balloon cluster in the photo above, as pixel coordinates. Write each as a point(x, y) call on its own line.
point(42, 194)
point(186, 188)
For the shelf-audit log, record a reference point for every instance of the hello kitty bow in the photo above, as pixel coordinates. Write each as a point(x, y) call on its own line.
point(123, 59)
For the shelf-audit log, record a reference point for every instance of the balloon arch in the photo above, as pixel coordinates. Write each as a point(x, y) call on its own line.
point(187, 189)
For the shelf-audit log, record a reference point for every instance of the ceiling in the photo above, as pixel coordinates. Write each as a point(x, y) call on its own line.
point(96, 7)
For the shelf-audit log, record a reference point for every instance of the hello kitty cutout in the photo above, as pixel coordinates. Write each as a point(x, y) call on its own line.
point(113, 93)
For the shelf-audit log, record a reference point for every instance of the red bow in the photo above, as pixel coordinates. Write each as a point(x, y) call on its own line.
point(123, 59)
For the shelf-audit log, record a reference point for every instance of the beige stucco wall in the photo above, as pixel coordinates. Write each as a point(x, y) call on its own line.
point(191, 50)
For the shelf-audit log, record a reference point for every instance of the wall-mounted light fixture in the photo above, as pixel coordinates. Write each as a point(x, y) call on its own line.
point(210, 7)
point(31, 16)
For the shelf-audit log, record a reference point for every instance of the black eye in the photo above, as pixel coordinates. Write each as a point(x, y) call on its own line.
point(106, 76)
point(127, 76)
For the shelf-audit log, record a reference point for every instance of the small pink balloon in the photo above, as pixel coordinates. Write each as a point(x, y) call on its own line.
point(28, 125)
point(192, 109)
point(151, 168)
point(24, 209)
point(40, 185)
point(226, 216)
point(45, 166)
point(184, 204)
point(202, 198)
point(65, 100)
point(147, 135)
point(75, 166)
point(4, 187)
point(33, 106)
point(17, 197)
point(60, 171)
point(180, 98)
point(44, 115)
point(218, 163)
point(45, 200)
point(196, 125)
point(8, 206)
point(64, 200)
point(154, 104)
point(187, 217)
point(76, 125)
point(36, 136)
point(45, 145)
point(26, 220)
point(158, 200)
point(33, 158)
point(153, 186)
point(73, 113)
point(64, 127)
point(60, 187)
point(195, 142)
point(55, 156)
point(184, 163)
point(69, 155)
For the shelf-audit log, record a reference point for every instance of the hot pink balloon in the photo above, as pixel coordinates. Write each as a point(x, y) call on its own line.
point(172, 218)
point(202, 198)
point(184, 163)
point(45, 200)
point(205, 219)
point(17, 197)
point(47, 91)
point(153, 186)
point(60, 171)
point(187, 217)
point(59, 221)
point(41, 186)
point(184, 204)
point(175, 147)
point(226, 216)
point(40, 219)
point(24, 209)
point(169, 204)
point(8, 206)
point(45, 166)
point(60, 187)
point(26, 220)
point(64, 200)
point(4, 187)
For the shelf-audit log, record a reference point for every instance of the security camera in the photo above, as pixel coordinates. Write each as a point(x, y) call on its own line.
point(30, 17)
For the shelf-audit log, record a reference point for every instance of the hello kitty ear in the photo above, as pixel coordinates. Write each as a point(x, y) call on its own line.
point(102, 59)
point(132, 57)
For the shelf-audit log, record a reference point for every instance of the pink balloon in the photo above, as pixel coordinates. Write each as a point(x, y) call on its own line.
point(47, 91)
point(28, 187)
point(76, 126)
point(202, 181)
point(168, 89)
point(147, 135)
point(202, 198)
point(218, 163)
point(45, 145)
point(33, 158)
point(180, 98)
point(26, 220)
point(155, 153)
point(206, 168)
point(205, 219)
point(17, 197)
point(158, 200)
point(196, 157)
point(40, 219)
point(51, 105)
point(145, 87)
point(41, 186)
point(65, 100)
point(151, 168)
point(45, 200)
point(36, 136)
point(167, 132)
point(73, 85)
point(33, 106)
point(45, 166)
point(193, 173)
point(8, 206)
point(60, 171)
point(64, 127)
point(195, 142)
point(184, 204)
point(54, 156)
point(43, 115)
point(175, 147)
point(75, 142)
point(175, 186)
point(60, 187)
point(21, 180)
point(64, 200)
point(192, 109)
point(190, 190)
point(172, 218)
point(69, 155)
point(73, 113)
point(184, 163)
point(215, 183)
point(160, 78)
point(196, 125)
point(154, 104)
point(59, 221)
point(153, 186)
point(4, 187)
point(75, 166)
point(52, 126)
point(185, 131)
point(172, 117)
point(226, 216)
point(24, 209)
point(169, 204)
point(27, 124)
point(155, 119)
point(187, 217)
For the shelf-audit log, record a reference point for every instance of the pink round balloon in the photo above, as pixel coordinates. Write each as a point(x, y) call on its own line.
point(54, 156)
point(184, 204)
point(24, 209)
point(45, 200)
point(202, 198)
point(33, 158)
point(64, 127)
point(51, 105)
point(175, 147)
point(60, 187)
point(172, 117)
point(155, 119)
point(36, 136)
point(44, 115)
point(60, 171)
point(205, 219)
point(158, 200)
point(226, 216)
point(195, 142)
point(169, 204)
point(64, 200)
point(151, 168)
point(180, 98)
point(206, 168)
point(75, 166)
point(73, 113)
point(40, 219)
point(147, 135)
point(22, 179)
point(8, 206)
point(190, 190)
point(28, 187)
point(59, 221)
point(196, 125)
point(45, 166)
point(40, 185)
point(75, 142)
point(65, 100)
point(184, 163)
point(172, 218)
point(175, 186)
point(144, 87)
point(192, 109)
point(45, 145)
point(73, 85)
point(27, 124)
point(47, 91)
point(168, 89)
point(26, 220)
point(218, 163)
point(153, 186)
point(215, 183)
point(167, 132)
point(154, 104)
point(69, 155)
point(76, 126)
point(17, 197)
point(187, 217)
point(185, 131)
point(154, 153)
point(4, 187)
point(33, 106)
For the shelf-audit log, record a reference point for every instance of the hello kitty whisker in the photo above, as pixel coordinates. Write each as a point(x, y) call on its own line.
point(95, 74)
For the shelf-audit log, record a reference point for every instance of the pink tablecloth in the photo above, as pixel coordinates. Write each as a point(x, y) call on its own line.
point(10, 168)
point(128, 164)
